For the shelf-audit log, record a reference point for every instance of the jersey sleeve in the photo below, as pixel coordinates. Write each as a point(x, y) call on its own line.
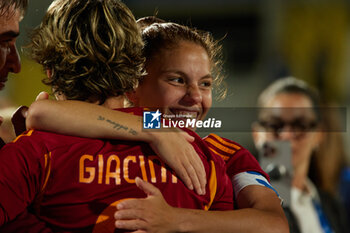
point(237, 158)
point(21, 176)
point(244, 179)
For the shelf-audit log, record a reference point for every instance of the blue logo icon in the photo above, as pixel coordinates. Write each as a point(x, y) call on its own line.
point(151, 120)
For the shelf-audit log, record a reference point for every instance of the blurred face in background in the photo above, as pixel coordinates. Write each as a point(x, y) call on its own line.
point(178, 81)
point(290, 117)
point(9, 58)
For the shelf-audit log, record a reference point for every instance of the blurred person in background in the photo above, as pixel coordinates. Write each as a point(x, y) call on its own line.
point(11, 13)
point(290, 112)
point(329, 168)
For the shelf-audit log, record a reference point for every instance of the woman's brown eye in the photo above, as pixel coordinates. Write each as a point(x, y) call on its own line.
point(177, 80)
point(206, 84)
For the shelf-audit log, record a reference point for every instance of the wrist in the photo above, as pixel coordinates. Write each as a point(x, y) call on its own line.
point(179, 221)
point(150, 137)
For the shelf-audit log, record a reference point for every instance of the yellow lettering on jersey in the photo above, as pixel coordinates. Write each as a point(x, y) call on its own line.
point(129, 158)
point(162, 170)
point(83, 169)
point(100, 168)
point(153, 173)
point(173, 178)
point(143, 168)
point(116, 173)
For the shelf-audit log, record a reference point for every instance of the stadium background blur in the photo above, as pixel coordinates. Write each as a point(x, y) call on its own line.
point(263, 40)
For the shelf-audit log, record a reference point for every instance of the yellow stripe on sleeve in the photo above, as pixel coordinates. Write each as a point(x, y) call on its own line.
point(219, 146)
point(225, 142)
point(224, 157)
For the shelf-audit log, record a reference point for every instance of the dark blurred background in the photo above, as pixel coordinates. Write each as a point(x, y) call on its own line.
point(263, 40)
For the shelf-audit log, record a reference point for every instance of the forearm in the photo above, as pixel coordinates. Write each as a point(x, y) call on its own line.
point(259, 211)
point(83, 119)
point(153, 214)
point(242, 220)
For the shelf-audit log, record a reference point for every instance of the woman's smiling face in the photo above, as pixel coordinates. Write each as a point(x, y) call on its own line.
point(178, 81)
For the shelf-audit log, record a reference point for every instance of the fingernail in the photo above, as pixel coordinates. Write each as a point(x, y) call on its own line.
point(120, 206)
point(118, 224)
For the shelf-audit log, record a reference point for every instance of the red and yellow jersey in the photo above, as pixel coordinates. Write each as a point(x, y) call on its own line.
point(237, 158)
point(73, 183)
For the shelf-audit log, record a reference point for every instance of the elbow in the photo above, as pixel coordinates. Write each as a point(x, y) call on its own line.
point(282, 223)
point(35, 114)
point(278, 223)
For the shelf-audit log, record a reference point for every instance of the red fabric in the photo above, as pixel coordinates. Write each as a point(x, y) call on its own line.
point(26, 222)
point(71, 181)
point(238, 159)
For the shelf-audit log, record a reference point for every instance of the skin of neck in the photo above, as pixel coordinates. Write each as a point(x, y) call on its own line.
point(300, 175)
point(114, 102)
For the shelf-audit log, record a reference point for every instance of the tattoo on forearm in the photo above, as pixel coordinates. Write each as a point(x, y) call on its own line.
point(117, 126)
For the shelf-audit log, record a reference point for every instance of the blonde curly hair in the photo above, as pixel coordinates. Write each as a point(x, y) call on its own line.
point(93, 49)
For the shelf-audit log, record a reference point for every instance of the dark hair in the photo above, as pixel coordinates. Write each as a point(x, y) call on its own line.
point(158, 34)
point(291, 85)
point(92, 47)
point(6, 5)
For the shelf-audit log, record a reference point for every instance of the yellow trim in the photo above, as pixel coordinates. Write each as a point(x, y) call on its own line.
point(212, 185)
point(39, 197)
point(47, 169)
point(219, 146)
point(45, 161)
point(224, 157)
point(29, 133)
point(224, 142)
